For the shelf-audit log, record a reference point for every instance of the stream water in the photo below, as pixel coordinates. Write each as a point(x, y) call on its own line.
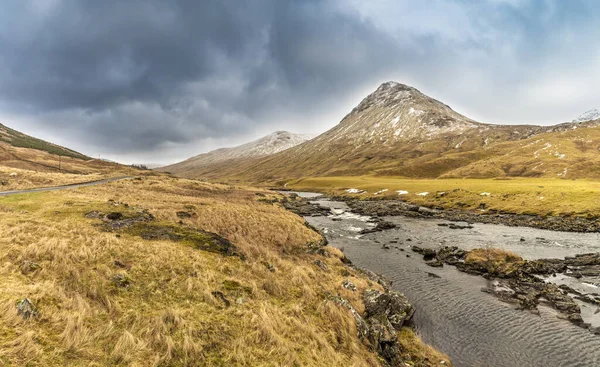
point(452, 313)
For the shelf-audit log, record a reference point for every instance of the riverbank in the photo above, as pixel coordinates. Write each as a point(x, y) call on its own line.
point(522, 196)
point(453, 314)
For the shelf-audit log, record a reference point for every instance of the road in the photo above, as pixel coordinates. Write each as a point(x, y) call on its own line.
point(64, 187)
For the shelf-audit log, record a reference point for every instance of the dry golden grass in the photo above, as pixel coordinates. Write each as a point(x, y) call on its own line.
point(37, 168)
point(416, 350)
point(170, 315)
point(27, 179)
point(495, 261)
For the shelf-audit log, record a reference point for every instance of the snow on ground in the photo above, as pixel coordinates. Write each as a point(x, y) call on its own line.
point(423, 194)
point(355, 191)
point(380, 192)
point(402, 192)
point(485, 194)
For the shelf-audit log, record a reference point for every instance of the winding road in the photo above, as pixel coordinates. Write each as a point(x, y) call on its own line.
point(64, 187)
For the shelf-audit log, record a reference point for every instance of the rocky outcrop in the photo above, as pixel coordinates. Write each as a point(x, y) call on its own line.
point(521, 282)
point(385, 314)
point(303, 207)
point(381, 226)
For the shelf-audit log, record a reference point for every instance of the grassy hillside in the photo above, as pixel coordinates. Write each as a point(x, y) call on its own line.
point(164, 292)
point(570, 153)
point(20, 140)
point(27, 162)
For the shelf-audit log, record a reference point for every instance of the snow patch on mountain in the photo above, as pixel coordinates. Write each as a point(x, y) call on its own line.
point(590, 115)
point(270, 144)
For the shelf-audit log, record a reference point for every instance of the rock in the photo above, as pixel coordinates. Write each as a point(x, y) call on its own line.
point(385, 247)
point(304, 208)
point(361, 325)
point(451, 255)
point(121, 280)
point(270, 267)
point(220, 296)
point(381, 226)
point(428, 253)
point(26, 309)
point(13, 174)
point(426, 211)
point(435, 263)
point(321, 265)
point(379, 279)
point(114, 216)
point(385, 314)
point(122, 265)
point(29, 267)
point(94, 214)
point(347, 284)
point(433, 275)
point(184, 215)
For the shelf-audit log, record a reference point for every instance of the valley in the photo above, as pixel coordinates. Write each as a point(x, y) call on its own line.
point(169, 267)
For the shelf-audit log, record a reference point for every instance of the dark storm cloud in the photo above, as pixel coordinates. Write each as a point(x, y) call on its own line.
point(162, 80)
point(132, 75)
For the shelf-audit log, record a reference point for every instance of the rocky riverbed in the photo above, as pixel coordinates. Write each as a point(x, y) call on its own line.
point(453, 314)
point(383, 208)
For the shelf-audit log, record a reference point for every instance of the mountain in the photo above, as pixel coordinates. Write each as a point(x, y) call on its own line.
point(270, 144)
point(590, 115)
point(399, 131)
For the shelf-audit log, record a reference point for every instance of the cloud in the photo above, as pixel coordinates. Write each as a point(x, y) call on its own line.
point(157, 81)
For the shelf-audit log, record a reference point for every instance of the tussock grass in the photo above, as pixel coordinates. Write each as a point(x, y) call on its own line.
point(180, 306)
point(539, 196)
point(494, 261)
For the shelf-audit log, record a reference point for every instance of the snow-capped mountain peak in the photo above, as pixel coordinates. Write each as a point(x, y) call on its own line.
point(590, 115)
point(270, 144)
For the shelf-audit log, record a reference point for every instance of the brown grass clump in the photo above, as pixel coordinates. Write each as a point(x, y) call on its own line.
point(494, 261)
point(418, 353)
point(114, 298)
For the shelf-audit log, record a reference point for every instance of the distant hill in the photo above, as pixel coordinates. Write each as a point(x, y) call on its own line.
point(20, 140)
point(204, 163)
point(399, 131)
point(18, 150)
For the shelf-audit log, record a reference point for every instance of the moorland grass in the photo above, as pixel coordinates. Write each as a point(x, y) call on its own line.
point(113, 298)
point(543, 196)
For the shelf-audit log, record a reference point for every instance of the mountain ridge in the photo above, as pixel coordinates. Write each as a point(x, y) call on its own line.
point(399, 131)
point(270, 144)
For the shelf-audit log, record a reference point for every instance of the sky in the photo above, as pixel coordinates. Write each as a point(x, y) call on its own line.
point(152, 81)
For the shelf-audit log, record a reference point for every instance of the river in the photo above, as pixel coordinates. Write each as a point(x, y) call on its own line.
point(452, 313)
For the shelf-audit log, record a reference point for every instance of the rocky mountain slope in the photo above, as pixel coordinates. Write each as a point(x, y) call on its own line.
point(399, 131)
point(270, 144)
